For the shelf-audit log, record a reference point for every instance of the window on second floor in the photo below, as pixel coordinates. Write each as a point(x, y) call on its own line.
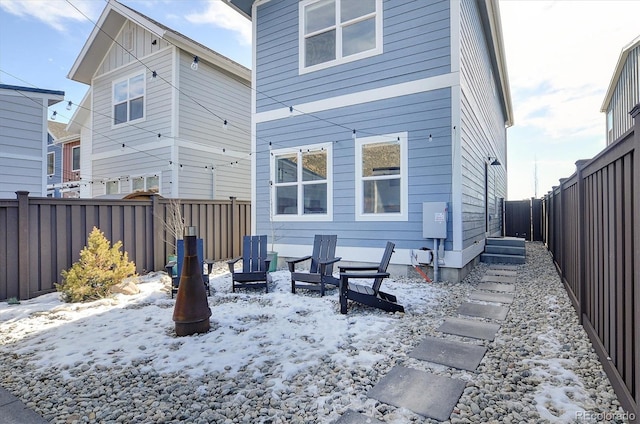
point(610, 126)
point(338, 31)
point(145, 183)
point(302, 183)
point(51, 163)
point(382, 178)
point(75, 158)
point(128, 99)
point(112, 187)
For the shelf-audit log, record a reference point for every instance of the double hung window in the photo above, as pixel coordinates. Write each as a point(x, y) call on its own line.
point(145, 183)
point(381, 178)
point(302, 183)
point(128, 99)
point(338, 31)
point(51, 162)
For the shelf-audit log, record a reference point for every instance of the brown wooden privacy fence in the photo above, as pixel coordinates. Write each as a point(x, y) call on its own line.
point(592, 227)
point(523, 218)
point(39, 237)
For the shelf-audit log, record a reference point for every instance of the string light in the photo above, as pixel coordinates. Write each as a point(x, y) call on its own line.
point(290, 110)
point(53, 115)
point(194, 65)
point(122, 148)
point(430, 138)
point(224, 125)
point(353, 134)
point(69, 105)
point(154, 74)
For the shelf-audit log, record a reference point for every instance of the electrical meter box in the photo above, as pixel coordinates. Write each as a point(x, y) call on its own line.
point(434, 220)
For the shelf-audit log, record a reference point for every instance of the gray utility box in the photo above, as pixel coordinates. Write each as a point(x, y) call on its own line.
point(434, 220)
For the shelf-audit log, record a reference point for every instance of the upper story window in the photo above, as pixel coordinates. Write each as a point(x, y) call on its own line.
point(338, 31)
point(112, 187)
point(51, 161)
point(381, 178)
point(302, 183)
point(610, 126)
point(146, 183)
point(128, 99)
point(75, 158)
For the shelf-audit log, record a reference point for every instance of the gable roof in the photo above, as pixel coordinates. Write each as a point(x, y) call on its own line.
point(58, 131)
point(54, 96)
point(108, 26)
point(618, 70)
point(491, 11)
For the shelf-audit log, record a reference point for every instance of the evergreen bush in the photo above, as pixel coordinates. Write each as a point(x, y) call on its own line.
point(100, 267)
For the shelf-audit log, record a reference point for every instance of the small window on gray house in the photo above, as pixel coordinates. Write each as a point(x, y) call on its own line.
point(113, 187)
point(128, 99)
point(610, 126)
point(51, 161)
point(75, 158)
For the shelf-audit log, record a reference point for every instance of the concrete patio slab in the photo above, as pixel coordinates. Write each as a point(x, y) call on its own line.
point(504, 272)
point(425, 394)
point(507, 288)
point(498, 279)
point(464, 356)
point(469, 328)
point(504, 266)
point(353, 417)
point(484, 296)
point(13, 411)
point(483, 311)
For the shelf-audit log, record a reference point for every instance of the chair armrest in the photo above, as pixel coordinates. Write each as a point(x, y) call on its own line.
point(231, 263)
point(209, 263)
point(267, 264)
point(364, 275)
point(330, 261)
point(358, 268)
point(292, 262)
point(169, 266)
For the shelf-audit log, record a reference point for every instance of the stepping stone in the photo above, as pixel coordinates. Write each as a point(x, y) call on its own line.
point(483, 311)
point(503, 266)
point(426, 394)
point(454, 354)
point(501, 272)
point(469, 328)
point(491, 297)
point(509, 288)
point(498, 279)
point(353, 417)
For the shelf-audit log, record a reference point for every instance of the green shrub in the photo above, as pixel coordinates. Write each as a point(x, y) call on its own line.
point(100, 267)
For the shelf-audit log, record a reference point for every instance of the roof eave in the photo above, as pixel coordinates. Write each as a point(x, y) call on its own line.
point(493, 12)
point(624, 53)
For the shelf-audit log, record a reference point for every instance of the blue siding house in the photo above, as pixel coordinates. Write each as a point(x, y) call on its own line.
point(366, 115)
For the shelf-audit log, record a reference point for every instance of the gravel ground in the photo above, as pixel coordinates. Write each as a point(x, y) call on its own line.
point(540, 368)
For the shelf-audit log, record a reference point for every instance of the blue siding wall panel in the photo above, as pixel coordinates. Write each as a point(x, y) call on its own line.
point(416, 45)
point(429, 165)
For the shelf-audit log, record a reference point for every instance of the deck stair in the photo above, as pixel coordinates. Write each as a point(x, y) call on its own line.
point(503, 250)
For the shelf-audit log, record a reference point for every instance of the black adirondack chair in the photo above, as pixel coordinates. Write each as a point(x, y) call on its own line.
point(321, 269)
point(368, 295)
point(255, 265)
point(174, 268)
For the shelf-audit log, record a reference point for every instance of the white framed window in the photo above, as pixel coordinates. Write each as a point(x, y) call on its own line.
point(338, 31)
point(75, 158)
point(610, 126)
point(149, 182)
point(302, 183)
point(382, 185)
point(128, 99)
point(51, 163)
point(112, 187)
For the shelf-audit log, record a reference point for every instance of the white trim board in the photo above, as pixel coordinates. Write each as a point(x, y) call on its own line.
point(382, 93)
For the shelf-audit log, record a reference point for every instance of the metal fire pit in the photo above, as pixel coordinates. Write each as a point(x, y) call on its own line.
point(191, 312)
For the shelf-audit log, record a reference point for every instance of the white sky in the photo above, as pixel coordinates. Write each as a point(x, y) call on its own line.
point(560, 58)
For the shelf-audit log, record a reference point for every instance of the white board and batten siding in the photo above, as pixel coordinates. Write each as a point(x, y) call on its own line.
point(483, 132)
point(23, 140)
point(207, 98)
point(406, 89)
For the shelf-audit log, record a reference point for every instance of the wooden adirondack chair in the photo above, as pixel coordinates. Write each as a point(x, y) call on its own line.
point(321, 270)
point(176, 266)
point(255, 265)
point(368, 295)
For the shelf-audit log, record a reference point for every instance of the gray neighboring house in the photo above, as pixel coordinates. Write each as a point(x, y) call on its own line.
point(623, 93)
point(63, 161)
point(23, 139)
point(388, 108)
point(151, 122)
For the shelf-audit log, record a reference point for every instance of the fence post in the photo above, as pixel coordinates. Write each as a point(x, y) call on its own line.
point(157, 237)
point(580, 239)
point(24, 278)
point(233, 226)
point(635, 114)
